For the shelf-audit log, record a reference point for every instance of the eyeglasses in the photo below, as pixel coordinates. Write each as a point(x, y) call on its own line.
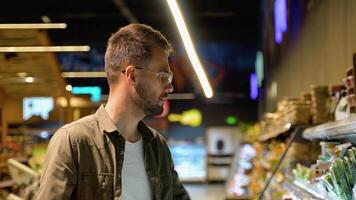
point(162, 76)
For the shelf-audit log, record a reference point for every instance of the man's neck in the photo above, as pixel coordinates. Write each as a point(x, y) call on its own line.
point(126, 118)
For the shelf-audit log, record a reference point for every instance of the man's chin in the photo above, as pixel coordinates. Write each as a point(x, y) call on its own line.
point(157, 110)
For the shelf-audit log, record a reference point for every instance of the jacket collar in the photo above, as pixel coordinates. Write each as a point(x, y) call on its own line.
point(105, 121)
point(109, 126)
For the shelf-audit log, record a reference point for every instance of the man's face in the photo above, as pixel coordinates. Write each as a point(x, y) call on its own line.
point(151, 83)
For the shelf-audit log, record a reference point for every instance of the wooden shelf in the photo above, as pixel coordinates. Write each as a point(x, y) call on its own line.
point(276, 132)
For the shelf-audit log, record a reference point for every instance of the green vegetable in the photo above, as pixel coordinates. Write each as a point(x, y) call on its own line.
point(328, 183)
point(350, 172)
point(340, 180)
point(302, 172)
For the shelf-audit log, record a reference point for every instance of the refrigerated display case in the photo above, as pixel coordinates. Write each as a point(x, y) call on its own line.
point(189, 160)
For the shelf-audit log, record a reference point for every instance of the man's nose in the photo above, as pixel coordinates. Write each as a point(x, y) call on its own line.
point(169, 88)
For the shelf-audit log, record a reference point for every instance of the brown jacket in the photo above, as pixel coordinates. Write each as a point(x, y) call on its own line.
point(84, 161)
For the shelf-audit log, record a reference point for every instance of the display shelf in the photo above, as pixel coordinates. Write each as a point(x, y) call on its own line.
point(276, 132)
point(332, 130)
point(296, 191)
point(305, 190)
point(234, 169)
point(309, 188)
point(297, 130)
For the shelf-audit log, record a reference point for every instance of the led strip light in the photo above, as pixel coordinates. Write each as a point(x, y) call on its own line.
point(34, 26)
point(188, 44)
point(45, 49)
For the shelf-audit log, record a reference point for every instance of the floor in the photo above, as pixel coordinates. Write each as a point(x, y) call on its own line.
point(214, 191)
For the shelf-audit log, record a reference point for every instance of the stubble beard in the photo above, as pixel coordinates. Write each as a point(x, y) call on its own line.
point(144, 101)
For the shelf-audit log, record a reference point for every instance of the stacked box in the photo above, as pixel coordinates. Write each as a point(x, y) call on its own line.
point(349, 82)
point(320, 100)
point(295, 111)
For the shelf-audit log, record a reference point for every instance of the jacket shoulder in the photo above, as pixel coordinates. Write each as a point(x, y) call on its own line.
point(158, 136)
point(81, 130)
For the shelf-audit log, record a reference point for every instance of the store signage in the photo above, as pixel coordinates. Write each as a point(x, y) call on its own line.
point(94, 91)
point(37, 106)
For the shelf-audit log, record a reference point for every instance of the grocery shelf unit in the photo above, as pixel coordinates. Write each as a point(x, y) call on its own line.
point(342, 130)
point(233, 170)
point(293, 132)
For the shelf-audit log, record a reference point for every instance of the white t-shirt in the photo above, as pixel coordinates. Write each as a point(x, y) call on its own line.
point(135, 182)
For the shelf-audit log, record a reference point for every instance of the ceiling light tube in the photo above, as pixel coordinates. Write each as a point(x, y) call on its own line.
point(34, 26)
point(97, 74)
point(45, 49)
point(188, 44)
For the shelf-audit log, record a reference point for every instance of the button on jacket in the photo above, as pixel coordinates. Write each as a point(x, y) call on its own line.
point(84, 161)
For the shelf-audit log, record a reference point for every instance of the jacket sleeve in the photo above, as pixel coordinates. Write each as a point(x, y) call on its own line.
point(179, 192)
point(59, 174)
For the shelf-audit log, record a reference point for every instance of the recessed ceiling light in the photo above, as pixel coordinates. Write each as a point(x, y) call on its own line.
point(46, 19)
point(22, 74)
point(29, 79)
point(69, 88)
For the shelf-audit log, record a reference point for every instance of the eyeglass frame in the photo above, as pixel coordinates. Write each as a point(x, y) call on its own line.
point(168, 76)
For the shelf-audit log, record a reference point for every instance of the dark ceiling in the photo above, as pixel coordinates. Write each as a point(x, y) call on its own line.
point(91, 22)
point(94, 20)
point(228, 32)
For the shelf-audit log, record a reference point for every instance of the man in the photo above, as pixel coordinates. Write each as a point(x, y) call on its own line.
point(113, 154)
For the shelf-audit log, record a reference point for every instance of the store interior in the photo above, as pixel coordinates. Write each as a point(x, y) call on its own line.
point(278, 123)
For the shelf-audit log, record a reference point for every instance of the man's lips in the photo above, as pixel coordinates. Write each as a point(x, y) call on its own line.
point(164, 97)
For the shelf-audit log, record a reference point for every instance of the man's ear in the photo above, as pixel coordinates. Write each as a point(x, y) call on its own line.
point(130, 73)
